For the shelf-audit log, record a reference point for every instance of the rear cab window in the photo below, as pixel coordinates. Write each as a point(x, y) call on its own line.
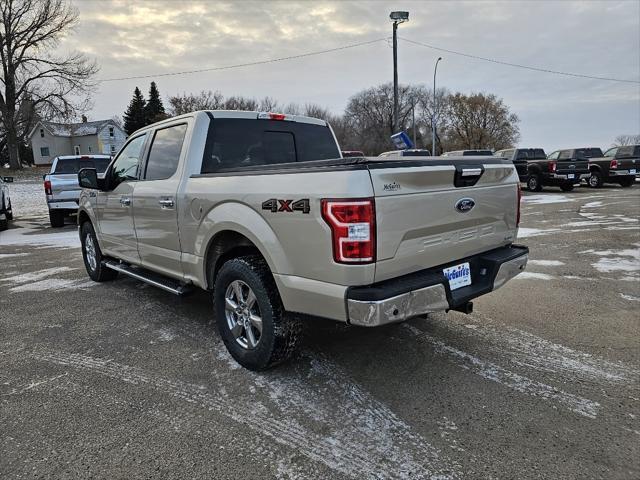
point(66, 166)
point(234, 143)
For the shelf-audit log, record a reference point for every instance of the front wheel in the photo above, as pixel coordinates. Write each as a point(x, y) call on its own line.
point(256, 330)
point(533, 183)
point(92, 255)
point(566, 187)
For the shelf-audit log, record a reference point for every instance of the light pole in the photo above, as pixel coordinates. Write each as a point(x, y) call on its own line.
point(433, 117)
point(398, 18)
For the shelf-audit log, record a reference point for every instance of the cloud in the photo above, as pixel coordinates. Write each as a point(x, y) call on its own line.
point(599, 38)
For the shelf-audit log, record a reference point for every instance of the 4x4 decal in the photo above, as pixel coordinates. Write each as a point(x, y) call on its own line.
point(276, 205)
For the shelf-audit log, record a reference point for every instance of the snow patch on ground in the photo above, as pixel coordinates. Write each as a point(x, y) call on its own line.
point(53, 284)
point(524, 232)
point(28, 236)
point(545, 199)
point(9, 255)
point(592, 205)
point(28, 199)
point(534, 275)
point(547, 263)
point(615, 260)
point(36, 276)
point(631, 298)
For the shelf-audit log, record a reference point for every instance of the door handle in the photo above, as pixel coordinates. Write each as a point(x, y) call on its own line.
point(125, 201)
point(166, 203)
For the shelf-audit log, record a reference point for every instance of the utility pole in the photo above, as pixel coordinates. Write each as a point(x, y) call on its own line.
point(398, 18)
point(433, 117)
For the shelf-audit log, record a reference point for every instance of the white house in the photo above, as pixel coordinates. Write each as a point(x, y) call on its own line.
point(51, 139)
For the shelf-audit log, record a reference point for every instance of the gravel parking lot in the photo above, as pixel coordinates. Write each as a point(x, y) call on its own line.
point(121, 380)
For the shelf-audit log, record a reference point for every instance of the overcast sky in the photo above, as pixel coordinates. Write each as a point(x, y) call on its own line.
point(130, 38)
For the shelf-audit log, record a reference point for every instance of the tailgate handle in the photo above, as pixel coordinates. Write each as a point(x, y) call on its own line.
point(467, 175)
point(471, 172)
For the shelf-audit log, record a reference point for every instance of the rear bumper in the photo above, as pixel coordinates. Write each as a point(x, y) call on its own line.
point(563, 178)
point(428, 291)
point(62, 204)
point(621, 173)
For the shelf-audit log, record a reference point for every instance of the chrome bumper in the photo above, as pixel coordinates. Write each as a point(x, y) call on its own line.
point(396, 309)
point(430, 299)
point(63, 205)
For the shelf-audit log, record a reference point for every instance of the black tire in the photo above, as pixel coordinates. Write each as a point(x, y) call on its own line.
point(95, 269)
point(627, 182)
point(534, 183)
point(595, 180)
point(4, 221)
point(566, 187)
point(279, 334)
point(9, 212)
point(56, 218)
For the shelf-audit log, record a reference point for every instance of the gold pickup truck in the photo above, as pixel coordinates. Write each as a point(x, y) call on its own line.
point(261, 210)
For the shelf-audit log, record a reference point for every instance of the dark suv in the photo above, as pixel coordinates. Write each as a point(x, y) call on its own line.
point(618, 165)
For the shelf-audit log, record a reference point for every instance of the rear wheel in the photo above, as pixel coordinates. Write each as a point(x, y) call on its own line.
point(9, 211)
point(595, 180)
point(252, 322)
point(533, 183)
point(56, 218)
point(627, 182)
point(566, 187)
point(92, 255)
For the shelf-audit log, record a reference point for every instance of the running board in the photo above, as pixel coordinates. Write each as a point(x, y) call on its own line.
point(151, 278)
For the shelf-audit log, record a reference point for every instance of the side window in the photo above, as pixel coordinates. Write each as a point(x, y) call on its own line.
point(625, 152)
point(611, 152)
point(554, 155)
point(164, 153)
point(44, 151)
point(564, 155)
point(126, 165)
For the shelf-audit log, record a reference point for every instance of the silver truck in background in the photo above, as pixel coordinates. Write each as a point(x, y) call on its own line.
point(61, 183)
point(261, 210)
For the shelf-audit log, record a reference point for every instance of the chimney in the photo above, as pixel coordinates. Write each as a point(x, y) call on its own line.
point(84, 119)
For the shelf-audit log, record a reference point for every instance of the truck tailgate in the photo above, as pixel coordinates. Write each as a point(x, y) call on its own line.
point(64, 187)
point(421, 221)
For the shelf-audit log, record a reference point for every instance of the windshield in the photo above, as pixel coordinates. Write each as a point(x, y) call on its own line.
point(73, 165)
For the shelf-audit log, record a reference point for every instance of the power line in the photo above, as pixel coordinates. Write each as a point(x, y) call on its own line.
point(537, 69)
point(248, 64)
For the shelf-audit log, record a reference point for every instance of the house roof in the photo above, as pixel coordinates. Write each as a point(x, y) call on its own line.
point(74, 129)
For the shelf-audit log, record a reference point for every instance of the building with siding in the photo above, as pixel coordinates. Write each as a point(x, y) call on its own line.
point(50, 139)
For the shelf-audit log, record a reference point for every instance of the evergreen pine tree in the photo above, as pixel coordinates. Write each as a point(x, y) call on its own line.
point(134, 117)
point(154, 110)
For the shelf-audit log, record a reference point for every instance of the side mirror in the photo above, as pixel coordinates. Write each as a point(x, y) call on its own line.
point(8, 179)
point(88, 178)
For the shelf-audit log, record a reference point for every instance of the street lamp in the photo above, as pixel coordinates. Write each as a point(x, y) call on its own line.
point(433, 117)
point(398, 18)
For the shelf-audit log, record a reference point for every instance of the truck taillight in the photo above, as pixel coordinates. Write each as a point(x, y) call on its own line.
point(47, 187)
point(614, 163)
point(553, 166)
point(353, 229)
point(519, 202)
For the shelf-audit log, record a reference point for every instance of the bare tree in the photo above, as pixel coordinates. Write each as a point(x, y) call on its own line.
point(187, 103)
point(241, 103)
point(32, 73)
point(622, 140)
point(480, 121)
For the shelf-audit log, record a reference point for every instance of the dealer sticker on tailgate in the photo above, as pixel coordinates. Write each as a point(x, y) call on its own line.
point(458, 276)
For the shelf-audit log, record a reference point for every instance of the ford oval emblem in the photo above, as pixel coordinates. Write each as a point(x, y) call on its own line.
point(465, 205)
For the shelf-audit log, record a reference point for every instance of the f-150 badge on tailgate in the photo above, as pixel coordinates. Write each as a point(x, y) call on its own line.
point(465, 205)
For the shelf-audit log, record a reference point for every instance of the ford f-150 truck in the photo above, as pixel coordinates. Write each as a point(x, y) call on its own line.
point(61, 184)
point(617, 165)
point(261, 210)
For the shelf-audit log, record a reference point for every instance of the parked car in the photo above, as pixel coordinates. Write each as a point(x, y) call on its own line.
point(562, 168)
point(6, 210)
point(468, 153)
point(352, 153)
point(61, 184)
point(522, 158)
point(411, 152)
point(617, 165)
point(259, 209)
